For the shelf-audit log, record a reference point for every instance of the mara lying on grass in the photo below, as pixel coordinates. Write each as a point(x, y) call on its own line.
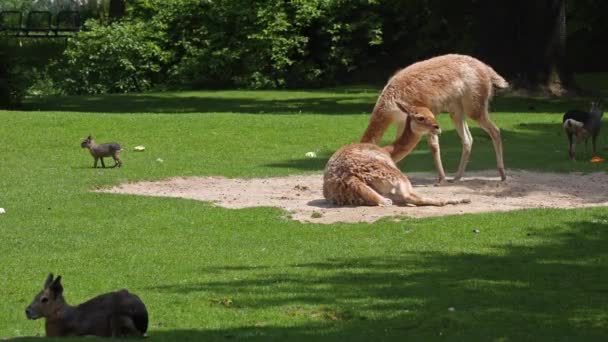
point(114, 314)
point(365, 174)
point(454, 83)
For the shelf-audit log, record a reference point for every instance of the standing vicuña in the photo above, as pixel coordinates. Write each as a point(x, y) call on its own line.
point(99, 151)
point(454, 83)
point(363, 174)
point(113, 314)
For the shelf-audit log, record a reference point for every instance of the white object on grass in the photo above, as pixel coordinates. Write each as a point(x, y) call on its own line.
point(311, 155)
point(139, 148)
point(159, 160)
point(2, 211)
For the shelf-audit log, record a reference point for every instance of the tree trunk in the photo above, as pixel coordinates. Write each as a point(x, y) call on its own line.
point(117, 9)
point(4, 79)
point(525, 41)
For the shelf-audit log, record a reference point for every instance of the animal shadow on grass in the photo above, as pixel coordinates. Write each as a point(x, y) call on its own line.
point(535, 146)
point(550, 284)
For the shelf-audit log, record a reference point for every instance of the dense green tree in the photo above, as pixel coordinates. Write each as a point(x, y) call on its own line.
point(309, 43)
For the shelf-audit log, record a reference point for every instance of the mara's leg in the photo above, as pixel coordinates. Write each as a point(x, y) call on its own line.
point(593, 140)
point(433, 141)
point(571, 145)
point(467, 142)
point(572, 151)
point(487, 125)
point(95, 163)
point(117, 161)
point(128, 327)
point(102, 163)
point(123, 326)
point(368, 195)
point(406, 194)
point(378, 124)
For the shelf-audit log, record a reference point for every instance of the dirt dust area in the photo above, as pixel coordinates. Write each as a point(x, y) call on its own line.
point(302, 197)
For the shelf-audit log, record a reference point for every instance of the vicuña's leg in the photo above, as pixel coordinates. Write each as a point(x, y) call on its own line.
point(433, 141)
point(405, 192)
point(467, 142)
point(487, 125)
point(368, 195)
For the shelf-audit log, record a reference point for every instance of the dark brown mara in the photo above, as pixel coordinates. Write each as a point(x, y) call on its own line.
point(114, 314)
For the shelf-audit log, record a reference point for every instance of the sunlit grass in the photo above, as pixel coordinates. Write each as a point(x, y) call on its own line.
point(208, 273)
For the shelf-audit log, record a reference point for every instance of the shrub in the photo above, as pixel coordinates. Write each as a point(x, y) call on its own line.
point(263, 44)
point(116, 58)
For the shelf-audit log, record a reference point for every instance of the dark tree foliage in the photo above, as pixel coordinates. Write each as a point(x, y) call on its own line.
point(4, 76)
point(312, 43)
point(117, 9)
point(525, 40)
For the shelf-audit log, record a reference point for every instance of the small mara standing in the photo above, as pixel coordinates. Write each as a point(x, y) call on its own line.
point(454, 83)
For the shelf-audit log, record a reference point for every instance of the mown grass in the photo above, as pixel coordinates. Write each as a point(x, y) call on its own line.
point(208, 273)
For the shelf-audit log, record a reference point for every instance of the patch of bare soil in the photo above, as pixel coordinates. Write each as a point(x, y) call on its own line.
point(302, 196)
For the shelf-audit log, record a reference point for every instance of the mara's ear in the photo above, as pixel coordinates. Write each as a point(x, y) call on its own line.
point(89, 137)
point(56, 286)
point(48, 281)
point(405, 108)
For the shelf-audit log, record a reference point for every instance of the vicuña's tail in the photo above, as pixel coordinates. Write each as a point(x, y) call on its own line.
point(497, 80)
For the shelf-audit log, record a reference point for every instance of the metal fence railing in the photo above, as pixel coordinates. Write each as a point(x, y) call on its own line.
point(40, 23)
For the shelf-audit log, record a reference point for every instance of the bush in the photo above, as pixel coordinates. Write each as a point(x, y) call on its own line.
point(260, 44)
point(117, 58)
point(263, 44)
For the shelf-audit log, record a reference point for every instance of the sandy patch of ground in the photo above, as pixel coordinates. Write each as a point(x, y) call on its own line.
point(301, 196)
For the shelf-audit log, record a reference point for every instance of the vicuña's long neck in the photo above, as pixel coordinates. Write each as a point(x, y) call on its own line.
point(405, 143)
point(378, 124)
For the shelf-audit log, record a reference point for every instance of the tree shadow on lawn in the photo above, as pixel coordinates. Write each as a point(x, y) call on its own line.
point(512, 104)
point(536, 146)
point(151, 103)
point(552, 285)
point(345, 101)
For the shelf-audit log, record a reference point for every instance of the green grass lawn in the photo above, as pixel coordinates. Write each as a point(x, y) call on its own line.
point(208, 273)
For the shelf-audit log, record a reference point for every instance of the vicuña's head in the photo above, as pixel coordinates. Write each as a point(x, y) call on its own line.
point(422, 120)
point(86, 142)
point(48, 301)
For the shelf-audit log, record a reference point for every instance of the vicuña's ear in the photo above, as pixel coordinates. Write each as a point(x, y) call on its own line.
point(405, 108)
